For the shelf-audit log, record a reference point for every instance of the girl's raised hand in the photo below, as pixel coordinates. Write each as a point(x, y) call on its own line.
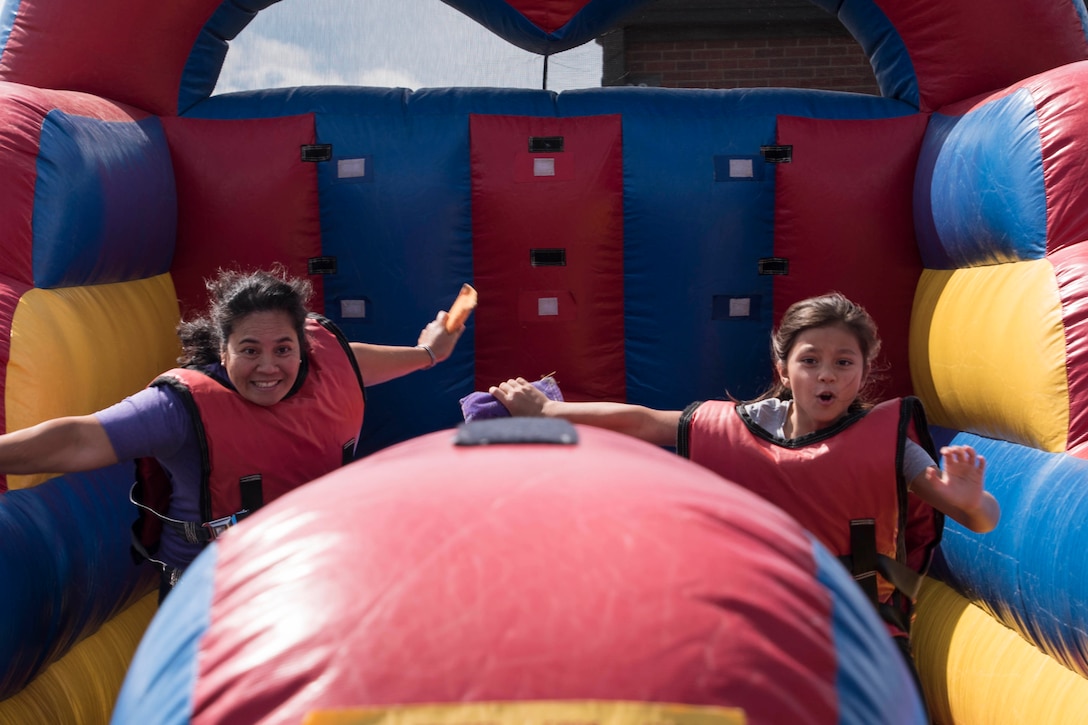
point(958, 489)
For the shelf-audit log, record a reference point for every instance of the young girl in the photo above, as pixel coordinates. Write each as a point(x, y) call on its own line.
point(814, 445)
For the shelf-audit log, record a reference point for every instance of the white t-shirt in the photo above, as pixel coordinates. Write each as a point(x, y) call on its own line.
point(771, 415)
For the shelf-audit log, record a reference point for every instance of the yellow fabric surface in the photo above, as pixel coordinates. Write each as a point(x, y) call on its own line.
point(987, 352)
point(598, 712)
point(78, 349)
point(974, 670)
point(81, 688)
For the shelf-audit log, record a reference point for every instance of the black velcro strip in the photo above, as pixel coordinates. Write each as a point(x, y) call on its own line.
point(497, 431)
point(316, 152)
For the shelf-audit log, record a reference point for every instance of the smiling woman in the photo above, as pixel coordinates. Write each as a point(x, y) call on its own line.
point(262, 357)
point(267, 397)
point(391, 43)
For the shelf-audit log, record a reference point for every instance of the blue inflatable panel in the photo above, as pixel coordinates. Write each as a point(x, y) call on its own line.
point(210, 48)
point(66, 568)
point(971, 223)
point(427, 161)
point(105, 205)
point(934, 255)
point(882, 43)
point(671, 103)
point(669, 169)
point(595, 18)
point(7, 22)
point(399, 103)
point(859, 697)
point(1082, 13)
point(177, 629)
point(1028, 570)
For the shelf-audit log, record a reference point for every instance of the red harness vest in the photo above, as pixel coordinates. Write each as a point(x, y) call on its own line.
point(253, 454)
point(842, 483)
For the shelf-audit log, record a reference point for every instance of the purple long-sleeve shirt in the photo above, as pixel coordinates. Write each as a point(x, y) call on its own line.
point(154, 423)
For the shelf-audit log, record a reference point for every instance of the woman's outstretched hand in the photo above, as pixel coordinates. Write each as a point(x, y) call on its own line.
point(440, 340)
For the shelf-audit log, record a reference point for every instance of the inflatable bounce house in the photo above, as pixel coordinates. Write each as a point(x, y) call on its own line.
point(615, 580)
point(640, 243)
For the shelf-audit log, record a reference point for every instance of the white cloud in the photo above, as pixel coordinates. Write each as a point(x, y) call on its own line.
point(388, 43)
point(255, 61)
point(386, 78)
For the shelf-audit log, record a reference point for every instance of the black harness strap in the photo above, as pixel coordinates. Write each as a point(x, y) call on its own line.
point(864, 563)
point(863, 555)
point(902, 577)
point(252, 494)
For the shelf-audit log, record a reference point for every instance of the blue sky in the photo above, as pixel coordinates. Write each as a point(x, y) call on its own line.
point(394, 43)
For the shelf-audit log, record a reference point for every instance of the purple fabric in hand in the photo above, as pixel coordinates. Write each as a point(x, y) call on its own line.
point(481, 406)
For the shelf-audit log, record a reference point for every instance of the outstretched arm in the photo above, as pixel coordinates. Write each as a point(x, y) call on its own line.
point(61, 445)
point(654, 426)
point(379, 363)
point(958, 490)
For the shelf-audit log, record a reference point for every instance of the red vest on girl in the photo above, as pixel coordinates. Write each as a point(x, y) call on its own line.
point(834, 482)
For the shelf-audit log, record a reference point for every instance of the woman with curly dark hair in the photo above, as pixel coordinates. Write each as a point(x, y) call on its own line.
point(267, 396)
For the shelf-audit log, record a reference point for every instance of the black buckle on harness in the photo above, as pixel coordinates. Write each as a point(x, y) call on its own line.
point(864, 562)
point(863, 551)
point(252, 499)
point(217, 527)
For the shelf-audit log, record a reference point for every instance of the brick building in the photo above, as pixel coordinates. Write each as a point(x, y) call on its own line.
point(735, 44)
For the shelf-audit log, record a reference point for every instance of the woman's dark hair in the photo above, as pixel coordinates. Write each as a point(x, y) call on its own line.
point(234, 295)
point(825, 311)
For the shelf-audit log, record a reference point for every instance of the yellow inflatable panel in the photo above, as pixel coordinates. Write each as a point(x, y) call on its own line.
point(78, 349)
point(987, 352)
point(976, 670)
point(583, 712)
point(82, 687)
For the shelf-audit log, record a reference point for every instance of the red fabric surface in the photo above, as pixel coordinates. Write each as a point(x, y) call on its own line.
point(227, 220)
point(551, 15)
point(1071, 273)
point(1061, 102)
point(844, 221)
point(130, 52)
point(10, 294)
point(962, 49)
point(580, 210)
point(430, 572)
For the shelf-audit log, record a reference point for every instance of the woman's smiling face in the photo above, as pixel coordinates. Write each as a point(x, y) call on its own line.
point(825, 370)
point(262, 357)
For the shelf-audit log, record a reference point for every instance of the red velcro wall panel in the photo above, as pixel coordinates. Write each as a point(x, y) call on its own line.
point(845, 222)
point(245, 200)
point(547, 219)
